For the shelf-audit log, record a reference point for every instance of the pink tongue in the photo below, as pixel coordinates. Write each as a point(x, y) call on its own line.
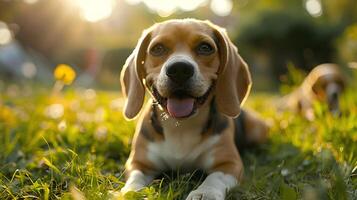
point(180, 107)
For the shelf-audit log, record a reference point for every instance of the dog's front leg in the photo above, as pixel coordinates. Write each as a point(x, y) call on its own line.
point(224, 174)
point(214, 187)
point(136, 181)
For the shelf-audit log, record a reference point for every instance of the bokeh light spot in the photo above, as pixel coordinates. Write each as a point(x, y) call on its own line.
point(54, 111)
point(313, 7)
point(28, 69)
point(89, 94)
point(133, 2)
point(5, 34)
point(221, 7)
point(189, 5)
point(30, 1)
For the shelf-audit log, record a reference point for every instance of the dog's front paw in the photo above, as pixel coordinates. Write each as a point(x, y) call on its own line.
point(205, 194)
point(131, 188)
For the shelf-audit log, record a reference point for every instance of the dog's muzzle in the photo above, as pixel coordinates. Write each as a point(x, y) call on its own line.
point(181, 76)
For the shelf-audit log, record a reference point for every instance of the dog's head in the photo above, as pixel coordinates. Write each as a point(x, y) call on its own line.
point(326, 83)
point(182, 63)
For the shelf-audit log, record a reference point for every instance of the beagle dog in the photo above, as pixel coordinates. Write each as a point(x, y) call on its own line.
point(197, 82)
point(324, 83)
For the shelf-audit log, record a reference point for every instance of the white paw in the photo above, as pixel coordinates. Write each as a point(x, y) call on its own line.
point(131, 187)
point(205, 194)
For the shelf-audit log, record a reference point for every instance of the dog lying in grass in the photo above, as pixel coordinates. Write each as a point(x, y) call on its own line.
point(197, 82)
point(324, 83)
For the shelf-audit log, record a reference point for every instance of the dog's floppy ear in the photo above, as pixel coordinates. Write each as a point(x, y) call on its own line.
point(234, 80)
point(131, 78)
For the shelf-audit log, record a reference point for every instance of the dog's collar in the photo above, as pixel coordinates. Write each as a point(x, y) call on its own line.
point(240, 131)
point(216, 122)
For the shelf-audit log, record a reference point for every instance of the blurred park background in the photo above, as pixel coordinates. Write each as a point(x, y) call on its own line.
point(73, 143)
point(96, 36)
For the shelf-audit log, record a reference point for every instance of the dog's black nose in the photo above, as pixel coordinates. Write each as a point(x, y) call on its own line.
point(180, 72)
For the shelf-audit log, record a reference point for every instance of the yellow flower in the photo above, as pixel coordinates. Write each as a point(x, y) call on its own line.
point(64, 73)
point(7, 116)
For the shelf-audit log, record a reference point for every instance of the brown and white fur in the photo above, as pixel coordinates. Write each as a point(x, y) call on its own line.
point(197, 82)
point(324, 83)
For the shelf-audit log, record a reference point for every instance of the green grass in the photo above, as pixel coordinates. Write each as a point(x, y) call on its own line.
point(44, 157)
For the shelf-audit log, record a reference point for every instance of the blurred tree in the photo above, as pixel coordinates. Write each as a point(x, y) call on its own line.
point(273, 33)
point(49, 27)
point(7, 10)
point(341, 11)
point(284, 38)
point(347, 44)
point(268, 33)
point(113, 61)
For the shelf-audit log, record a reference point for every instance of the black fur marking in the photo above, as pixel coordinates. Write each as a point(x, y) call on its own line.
point(145, 132)
point(240, 132)
point(216, 121)
point(154, 120)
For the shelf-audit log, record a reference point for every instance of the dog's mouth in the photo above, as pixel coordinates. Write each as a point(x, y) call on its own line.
point(180, 104)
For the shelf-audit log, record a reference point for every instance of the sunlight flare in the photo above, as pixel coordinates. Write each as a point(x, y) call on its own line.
point(95, 10)
point(165, 8)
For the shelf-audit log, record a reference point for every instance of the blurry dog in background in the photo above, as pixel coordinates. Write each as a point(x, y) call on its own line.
point(324, 83)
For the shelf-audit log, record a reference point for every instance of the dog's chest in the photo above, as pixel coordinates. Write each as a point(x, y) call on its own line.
point(183, 148)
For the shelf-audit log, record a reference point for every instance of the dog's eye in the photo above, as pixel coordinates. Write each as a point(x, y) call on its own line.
point(158, 50)
point(204, 49)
